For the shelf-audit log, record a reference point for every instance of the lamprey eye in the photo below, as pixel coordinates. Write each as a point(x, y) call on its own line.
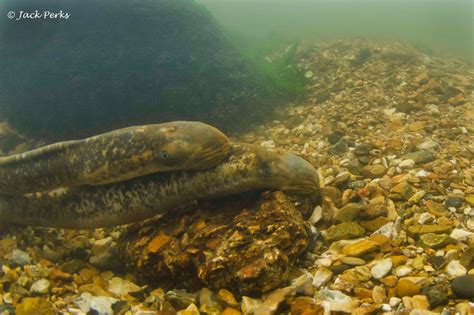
point(164, 155)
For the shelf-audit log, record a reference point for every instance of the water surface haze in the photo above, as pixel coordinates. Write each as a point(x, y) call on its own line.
point(441, 25)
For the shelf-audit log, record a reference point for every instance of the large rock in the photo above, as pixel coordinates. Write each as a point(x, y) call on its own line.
point(159, 60)
point(243, 244)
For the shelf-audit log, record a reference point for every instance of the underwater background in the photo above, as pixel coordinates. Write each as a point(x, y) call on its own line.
point(325, 164)
point(429, 24)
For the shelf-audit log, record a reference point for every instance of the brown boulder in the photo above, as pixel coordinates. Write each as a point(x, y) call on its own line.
point(245, 244)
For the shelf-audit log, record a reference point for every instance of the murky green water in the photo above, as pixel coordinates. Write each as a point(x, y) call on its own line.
point(440, 25)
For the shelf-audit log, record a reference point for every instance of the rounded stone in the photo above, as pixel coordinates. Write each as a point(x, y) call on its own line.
point(334, 137)
point(373, 171)
point(382, 268)
point(360, 248)
point(363, 149)
point(353, 261)
point(344, 231)
point(454, 201)
point(406, 287)
point(463, 286)
point(436, 294)
point(455, 269)
point(19, 258)
point(406, 164)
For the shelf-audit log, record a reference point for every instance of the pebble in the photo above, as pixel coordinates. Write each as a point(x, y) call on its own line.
point(454, 269)
point(209, 302)
point(378, 294)
point(192, 309)
point(35, 305)
point(56, 274)
point(419, 229)
point(426, 217)
point(121, 287)
point(467, 258)
point(404, 190)
point(181, 298)
point(363, 149)
point(98, 304)
point(360, 248)
point(40, 287)
point(108, 259)
point(406, 287)
point(406, 164)
point(463, 286)
point(72, 266)
point(349, 212)
point(273, 300)
point(339, 302)
point(394, 301)
point(436, 261)
point(340, 147)
point(454, 201)
point(321, 277)
point(335, 137)
point(470, 200)
point(382, 268)
point(436, 294)
point(421, 156)
point(249, 305)
point(227, 298)
point(316, 215)
point(308, 74)
point(353, 261)
point(344, 231)
point(19, 258)
point(416, 197)
point(6, 309)
point(403, 270)
point(420, 302)
point(305, 306)
point(428, 145)
point(435, 241)
point(461, 235)
point(226, 311)
point(373, 171)
point(270, 144)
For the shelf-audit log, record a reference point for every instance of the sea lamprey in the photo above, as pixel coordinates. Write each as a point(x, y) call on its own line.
point(248, 167)
point(114, 156)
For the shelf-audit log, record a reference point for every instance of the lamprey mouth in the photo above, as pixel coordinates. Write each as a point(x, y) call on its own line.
point(301, 189)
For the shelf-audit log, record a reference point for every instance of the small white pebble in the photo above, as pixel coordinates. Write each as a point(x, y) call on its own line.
point(394, 301)
point(455, 269)
point(428, 268)
point(386, 307)
point(270, 144)
point(382, 268)
point(460, 234)
point(426, 217)
point(403, 270)
point(316, 215)
point(421, 173)
point(406, 164)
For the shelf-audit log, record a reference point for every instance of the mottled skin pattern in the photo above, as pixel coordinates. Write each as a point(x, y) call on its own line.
point(114, 156)
point(249, 167)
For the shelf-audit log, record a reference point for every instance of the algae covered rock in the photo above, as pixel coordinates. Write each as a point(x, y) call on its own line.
point(245, 244)
point(112, 64)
